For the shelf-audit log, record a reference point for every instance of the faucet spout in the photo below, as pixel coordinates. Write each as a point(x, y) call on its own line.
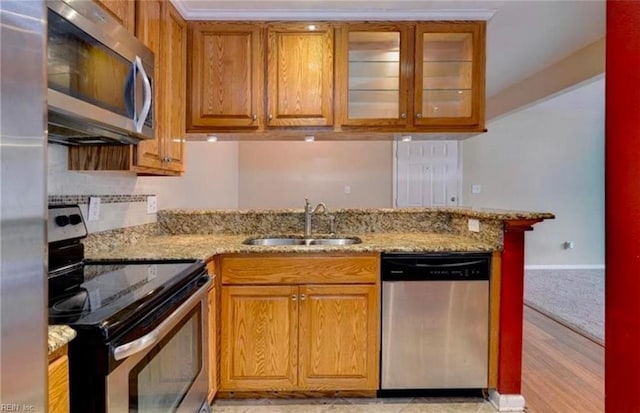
point(309, 210)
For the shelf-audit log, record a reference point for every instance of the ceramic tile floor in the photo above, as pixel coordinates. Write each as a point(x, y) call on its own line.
point(388, 405)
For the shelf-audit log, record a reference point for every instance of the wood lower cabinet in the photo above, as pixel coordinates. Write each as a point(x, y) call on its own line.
point(214, 331)
point(338, 330)
point(58, 389)
point(259, 338)
point(308, 334)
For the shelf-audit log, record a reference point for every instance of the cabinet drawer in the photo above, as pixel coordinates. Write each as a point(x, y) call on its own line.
point(300, 268)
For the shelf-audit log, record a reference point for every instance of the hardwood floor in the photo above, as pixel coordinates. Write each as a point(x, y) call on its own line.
point(562, 371)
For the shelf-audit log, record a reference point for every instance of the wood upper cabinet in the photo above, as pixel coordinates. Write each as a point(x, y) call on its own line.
point(449, 74)
point(302, 331)
point(259, 338)
point(161, 28)
point(299, 74)
point(226, 76)
point(412, 76)
point(123, 10)
point(175, 96)
point(373, 74)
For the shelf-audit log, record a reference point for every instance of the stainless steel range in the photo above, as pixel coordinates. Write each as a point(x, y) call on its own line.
point(142, 326)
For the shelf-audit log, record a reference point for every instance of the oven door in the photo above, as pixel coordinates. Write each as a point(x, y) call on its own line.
point(165, 370)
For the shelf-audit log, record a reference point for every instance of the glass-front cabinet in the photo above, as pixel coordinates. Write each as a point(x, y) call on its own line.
point(449, 73)
point(375, 75)
point(408, 76)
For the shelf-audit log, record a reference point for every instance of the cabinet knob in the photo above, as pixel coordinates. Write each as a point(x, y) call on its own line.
point(254, 117)
point(419, 115)
point(270, 116)
point(294, 297)
point(403, 115)
point(303, 297)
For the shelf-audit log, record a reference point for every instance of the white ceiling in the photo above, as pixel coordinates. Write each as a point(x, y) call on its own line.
point(523, 36)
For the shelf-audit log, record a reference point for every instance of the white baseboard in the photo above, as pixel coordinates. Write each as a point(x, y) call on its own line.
point(506, 402)
point(564, 267)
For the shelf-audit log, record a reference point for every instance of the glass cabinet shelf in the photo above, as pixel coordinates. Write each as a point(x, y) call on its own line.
point(373, 75)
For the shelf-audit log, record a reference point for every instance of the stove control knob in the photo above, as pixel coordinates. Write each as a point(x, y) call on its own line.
point(62, 220)
point(75, 219)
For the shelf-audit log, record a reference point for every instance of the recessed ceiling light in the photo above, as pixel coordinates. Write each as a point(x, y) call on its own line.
point(309, 138)
point(212, 138)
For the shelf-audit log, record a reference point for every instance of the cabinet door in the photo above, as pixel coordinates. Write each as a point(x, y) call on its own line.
point(175, 82)
point(58, 394)
point(338, 337)
point(226, 76)
point(300, 74)
point(374, 75)
point(449, 74)
point(259, 338)
point(213, 348)
point(123, 10)
point(148, 153)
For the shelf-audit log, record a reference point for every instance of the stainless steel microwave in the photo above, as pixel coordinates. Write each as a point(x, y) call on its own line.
point(100, 78)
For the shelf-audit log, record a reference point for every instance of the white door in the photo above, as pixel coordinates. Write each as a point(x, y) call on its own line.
point(427, 174)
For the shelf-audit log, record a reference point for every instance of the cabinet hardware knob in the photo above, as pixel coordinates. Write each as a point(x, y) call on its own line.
point(294, 297)
point(419, 115)
point(403, 115)
point(270, 116)
point(254, 117)
point(303, 297)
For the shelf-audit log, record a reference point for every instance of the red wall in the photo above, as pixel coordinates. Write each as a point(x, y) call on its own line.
point(622, 201)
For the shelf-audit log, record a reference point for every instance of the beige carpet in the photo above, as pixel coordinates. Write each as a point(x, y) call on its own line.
point(573, 297)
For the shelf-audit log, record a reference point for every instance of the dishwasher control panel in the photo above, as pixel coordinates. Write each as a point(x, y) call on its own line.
point(445, 267)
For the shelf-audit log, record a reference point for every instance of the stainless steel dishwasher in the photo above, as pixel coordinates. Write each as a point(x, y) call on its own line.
point(435, 321)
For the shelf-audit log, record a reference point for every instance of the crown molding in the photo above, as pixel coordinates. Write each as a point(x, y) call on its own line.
point(332, 14)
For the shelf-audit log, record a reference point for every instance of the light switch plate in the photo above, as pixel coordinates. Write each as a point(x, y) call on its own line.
point(152, 204)
point(474, 225)
point(94, 208)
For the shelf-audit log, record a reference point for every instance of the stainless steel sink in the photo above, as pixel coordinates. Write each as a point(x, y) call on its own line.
point(278, 240)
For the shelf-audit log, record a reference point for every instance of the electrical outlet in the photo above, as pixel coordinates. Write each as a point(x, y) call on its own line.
point(347, 189)
point(94, 208)
point(476, 188)
point(152, 204)
point(474, 225)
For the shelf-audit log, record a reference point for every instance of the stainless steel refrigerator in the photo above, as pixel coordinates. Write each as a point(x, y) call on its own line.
point(23, 173)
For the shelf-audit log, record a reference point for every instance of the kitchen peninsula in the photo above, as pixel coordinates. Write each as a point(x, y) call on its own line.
point(219, 237)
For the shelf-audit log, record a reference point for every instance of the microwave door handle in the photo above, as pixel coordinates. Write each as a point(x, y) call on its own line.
point(146, 106)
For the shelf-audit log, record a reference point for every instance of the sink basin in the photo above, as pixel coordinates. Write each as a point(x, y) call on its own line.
point(276, 241)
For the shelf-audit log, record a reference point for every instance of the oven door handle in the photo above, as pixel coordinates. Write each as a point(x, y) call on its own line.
point(126, 350)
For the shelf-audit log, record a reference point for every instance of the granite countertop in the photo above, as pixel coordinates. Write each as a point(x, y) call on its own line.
point(483, 213)
point(59, 336)
point(204, 246)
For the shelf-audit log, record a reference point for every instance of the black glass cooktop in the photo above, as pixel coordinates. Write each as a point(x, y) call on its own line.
point(106, 294)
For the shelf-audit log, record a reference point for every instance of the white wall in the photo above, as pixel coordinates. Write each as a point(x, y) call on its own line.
point(549, 157)
point(210, 179)
point(282, 174)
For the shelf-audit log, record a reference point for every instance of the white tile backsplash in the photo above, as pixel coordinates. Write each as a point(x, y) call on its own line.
point(62, 181)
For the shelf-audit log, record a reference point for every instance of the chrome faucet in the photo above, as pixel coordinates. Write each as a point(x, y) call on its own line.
point(308, 213)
